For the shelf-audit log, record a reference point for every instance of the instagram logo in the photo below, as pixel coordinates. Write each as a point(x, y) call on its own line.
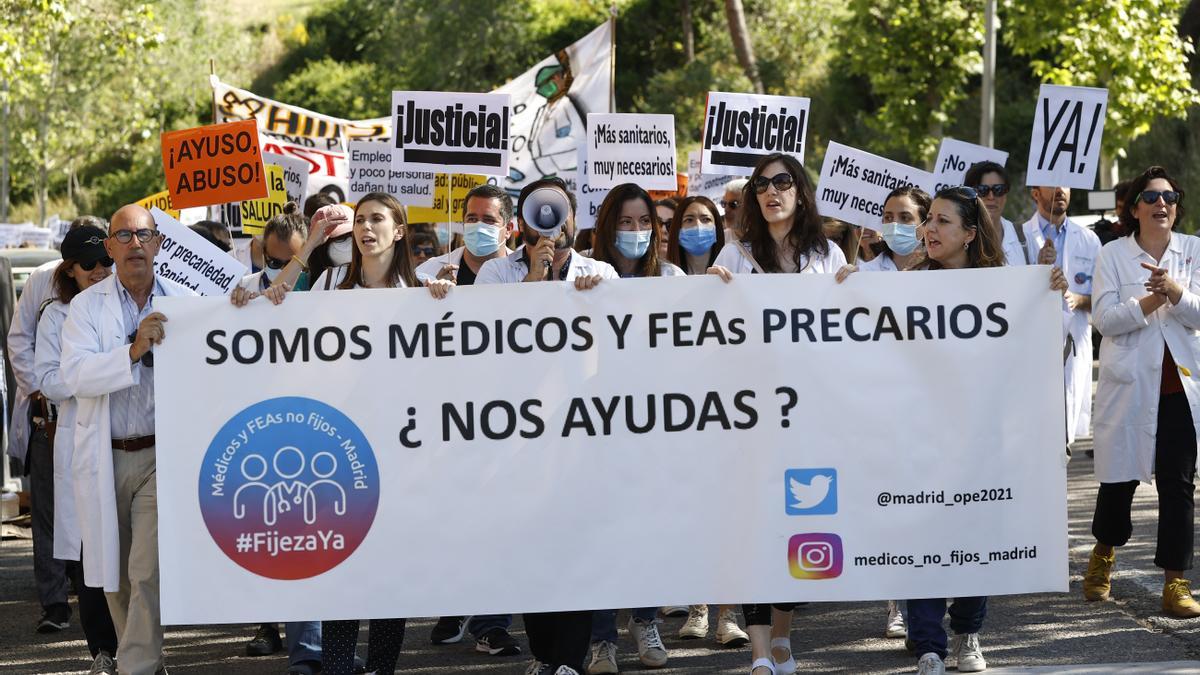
point(815, 556)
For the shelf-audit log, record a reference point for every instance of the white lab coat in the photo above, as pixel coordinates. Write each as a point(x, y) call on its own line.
point(1013, 252)
point(731, 259)
point(512, 269)
point(95, 363)
point(21, 335)
point(1131, 353)
point(1079, 266)
point(48, 380)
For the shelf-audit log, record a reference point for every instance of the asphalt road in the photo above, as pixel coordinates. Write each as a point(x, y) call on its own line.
point(1027, 633)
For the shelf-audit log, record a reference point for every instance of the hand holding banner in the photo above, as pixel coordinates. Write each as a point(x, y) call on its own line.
point(1068, 126)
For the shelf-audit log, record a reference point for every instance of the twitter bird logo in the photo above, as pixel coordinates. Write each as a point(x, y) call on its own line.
point(811, 492)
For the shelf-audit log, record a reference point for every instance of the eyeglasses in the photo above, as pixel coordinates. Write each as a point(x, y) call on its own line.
point(426, 251)
point(960, 190)
point(782, 182)
point(125, 236)
point(1151, 196)
point(731, 204)
point(275, 263)
point(91, 264)
point(147, 359)
point(999, 189)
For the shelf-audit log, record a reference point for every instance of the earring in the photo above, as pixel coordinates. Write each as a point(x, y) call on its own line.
point(965, 245)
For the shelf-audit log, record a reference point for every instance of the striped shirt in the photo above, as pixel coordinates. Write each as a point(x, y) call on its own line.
point(131, 411)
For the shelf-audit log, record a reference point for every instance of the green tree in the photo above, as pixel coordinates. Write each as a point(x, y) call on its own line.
point(1132, 49)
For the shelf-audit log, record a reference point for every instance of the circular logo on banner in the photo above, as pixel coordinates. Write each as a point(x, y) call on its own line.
point(289, 488)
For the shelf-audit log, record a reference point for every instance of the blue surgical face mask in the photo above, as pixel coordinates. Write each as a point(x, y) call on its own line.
point(443, 236)
point(633, 245)
point(481, 239)
point(901, 238)
point(698, 240)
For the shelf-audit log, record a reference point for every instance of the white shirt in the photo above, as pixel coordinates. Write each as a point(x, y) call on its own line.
point(1131, 353)
point(732, 259)
point(22, 334)
point(330, 278)
point(880, 263)
point(428, 270)
point(512, 269)
point(1014, 253)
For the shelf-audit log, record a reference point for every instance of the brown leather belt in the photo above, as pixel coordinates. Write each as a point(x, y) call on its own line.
point(133, 444)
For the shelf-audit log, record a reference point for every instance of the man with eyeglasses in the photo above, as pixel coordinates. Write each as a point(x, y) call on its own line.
point(1051, 238)
point(990, 182)
point(108, 364)
point(731, 205)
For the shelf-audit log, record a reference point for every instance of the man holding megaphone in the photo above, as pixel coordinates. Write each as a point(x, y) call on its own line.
point(546, 214)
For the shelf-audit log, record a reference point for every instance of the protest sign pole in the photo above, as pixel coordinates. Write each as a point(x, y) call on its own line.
point(988, 93)
point(449, 209)
point(212, 72)
point(857, 245)
point(612, 59)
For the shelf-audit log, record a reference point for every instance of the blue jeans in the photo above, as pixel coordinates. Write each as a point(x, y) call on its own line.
point(925, 621)
point(303, 641)
point(604, 622)
point(479, 625)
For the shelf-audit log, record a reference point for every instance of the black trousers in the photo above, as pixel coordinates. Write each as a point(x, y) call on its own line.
point(560, 638)
point(1174, 478)
point(340, 638)
point(760, 615)
point(94, 619)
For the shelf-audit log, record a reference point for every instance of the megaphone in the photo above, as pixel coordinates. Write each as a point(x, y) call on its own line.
point(545, 210)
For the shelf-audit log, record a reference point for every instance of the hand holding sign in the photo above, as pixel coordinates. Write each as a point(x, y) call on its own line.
point(1047, 255)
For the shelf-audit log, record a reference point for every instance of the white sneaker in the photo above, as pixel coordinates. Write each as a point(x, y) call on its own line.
point(788, 665)
point(930, 664)
point(651, 650)
point(895, 622)
point(729, 634)
point(965, 650)
point(604, 658)
point(566, 670)
point(696, 626)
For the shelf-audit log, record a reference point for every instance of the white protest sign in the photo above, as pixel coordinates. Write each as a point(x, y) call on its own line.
point(740, 129)
point(955, 157)
point(842, 510)
point(588, 197)
point(854, 184)
point(189, 259)
point(371, 171)
point(450, 132)
point(1068, 125)
point(295, 175)
point(631, 148)
point(36, 237)
point(704, 185)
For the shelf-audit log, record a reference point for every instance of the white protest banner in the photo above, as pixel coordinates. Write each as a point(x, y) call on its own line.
point(588, 197)
point(324, 157)
point(955, 157)
point(631, 148)
point(371, 171)
point(187, 258)
point(1068, 125)
point(450, 132)
point(841, 510)
point(233, 104)
point(740, 129)
point(36, 237)
point(704, 185)
point(854, 184)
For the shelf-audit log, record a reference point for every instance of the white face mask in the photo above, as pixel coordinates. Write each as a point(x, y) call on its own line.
point(340, 251)
point(271, 274)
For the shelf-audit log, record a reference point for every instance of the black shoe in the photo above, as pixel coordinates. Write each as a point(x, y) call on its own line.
point(265, 642)
point(497, 642)
point(57, 618)
point(449, 630)
point(304, 668)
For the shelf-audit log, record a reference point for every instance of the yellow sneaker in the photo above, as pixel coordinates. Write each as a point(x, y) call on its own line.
point(1178, 601)
point(1098, 580)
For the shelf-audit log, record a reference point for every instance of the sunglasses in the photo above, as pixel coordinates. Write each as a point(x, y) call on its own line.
point(125, 236)
point(1151, 196)
point(424, 250)
point(147, 359)
point(731, 204)
point(275, 263)
point(91, 264)
point(960, 190)
point(999, 189)
point(782, 182)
